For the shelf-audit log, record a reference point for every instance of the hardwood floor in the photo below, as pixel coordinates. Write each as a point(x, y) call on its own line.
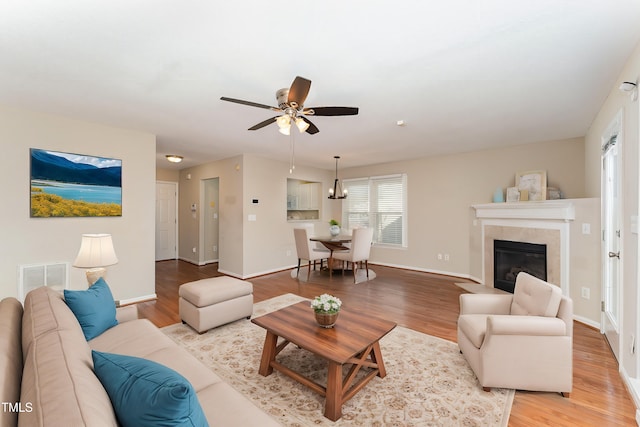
point(429, 303)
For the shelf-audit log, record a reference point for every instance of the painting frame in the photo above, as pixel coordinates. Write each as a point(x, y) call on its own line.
point(64, 184)
point(534, 182)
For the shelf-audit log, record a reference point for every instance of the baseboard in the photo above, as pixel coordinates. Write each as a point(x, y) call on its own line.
point(633, 385)
point(120, 303)
point(587, 322)
point(424, 270)
point(258, 274)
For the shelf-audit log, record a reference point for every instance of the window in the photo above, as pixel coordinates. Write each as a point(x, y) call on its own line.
point(380, 203)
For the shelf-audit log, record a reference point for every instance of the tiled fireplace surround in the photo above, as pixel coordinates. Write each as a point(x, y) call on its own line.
point(544, 222)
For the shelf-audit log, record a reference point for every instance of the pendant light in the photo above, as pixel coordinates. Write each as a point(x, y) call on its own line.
point(333, 192)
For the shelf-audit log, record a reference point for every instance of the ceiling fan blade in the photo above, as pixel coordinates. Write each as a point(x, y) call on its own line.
point(264, 123)
point(298, 92)
point(332, 111)
point(249, 103)
point(312, 129)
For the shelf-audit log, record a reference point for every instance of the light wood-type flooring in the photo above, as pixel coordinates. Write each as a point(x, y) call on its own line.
point(429, 303)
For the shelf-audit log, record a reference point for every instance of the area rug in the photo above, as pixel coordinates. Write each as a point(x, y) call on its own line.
point(428, 381)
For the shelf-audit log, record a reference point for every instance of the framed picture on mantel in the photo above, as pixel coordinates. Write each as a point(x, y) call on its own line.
point(534, 183)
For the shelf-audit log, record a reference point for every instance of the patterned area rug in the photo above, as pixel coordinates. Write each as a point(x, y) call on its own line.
point(428, 382)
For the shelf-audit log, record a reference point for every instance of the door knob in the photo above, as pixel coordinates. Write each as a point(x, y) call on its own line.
point(614, 254)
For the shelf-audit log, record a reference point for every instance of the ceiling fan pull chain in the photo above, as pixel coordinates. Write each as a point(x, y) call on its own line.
point(292, 160)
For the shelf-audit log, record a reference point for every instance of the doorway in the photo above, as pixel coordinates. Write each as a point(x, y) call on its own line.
point(611, 235)
point(166, 220)
point(210, 221)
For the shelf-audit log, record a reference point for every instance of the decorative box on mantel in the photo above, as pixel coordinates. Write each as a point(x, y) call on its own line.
point(541, 222)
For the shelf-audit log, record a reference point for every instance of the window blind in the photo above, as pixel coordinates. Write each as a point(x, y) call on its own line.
point(379, 203)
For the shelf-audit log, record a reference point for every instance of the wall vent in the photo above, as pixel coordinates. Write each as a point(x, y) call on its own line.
point(55, 276)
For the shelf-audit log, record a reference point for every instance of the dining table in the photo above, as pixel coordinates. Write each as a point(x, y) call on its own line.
point(333, 243)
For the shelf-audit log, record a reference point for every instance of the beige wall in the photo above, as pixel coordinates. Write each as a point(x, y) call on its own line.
point(168, 175)
point(247, 248)
point(28, 240)
point(442, 189)
point(615, 102)
point(229, 172)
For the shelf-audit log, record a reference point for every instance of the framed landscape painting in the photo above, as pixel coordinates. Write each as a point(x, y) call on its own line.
point(74, 185)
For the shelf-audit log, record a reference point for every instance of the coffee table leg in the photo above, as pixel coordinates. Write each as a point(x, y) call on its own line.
point(333, 398)
point(268, 354)
point(376, 357)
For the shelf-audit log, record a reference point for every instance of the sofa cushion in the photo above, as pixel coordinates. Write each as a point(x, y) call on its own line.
point(59, 383)
point(535, 297)
point(10, 357)
point(94, 308)
point(145, 393)
point(140, 338)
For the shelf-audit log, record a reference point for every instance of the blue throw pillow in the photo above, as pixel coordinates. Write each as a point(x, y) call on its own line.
point(146, 393)
point(94, 308)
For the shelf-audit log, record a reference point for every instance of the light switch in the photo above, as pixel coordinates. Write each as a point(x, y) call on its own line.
point(586, 228)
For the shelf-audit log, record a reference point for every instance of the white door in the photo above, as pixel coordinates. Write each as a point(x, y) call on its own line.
point(166, 220)
point(611, 208)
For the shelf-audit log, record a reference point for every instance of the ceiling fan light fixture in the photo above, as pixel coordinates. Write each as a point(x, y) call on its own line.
point(302, 125)
point(174, 158)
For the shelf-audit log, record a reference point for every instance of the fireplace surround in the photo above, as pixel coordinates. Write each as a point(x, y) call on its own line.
point(539, 222)
point(511, 258)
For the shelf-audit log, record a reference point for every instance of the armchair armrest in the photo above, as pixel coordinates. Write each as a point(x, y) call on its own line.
point(127, 313)
point(526, 326)
point(485, 304)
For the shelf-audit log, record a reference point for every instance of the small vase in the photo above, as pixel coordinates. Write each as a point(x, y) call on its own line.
point(334, 230)
point(326, 320)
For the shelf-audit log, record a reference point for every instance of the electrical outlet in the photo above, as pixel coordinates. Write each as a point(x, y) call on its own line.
point(446, 257)
point(193, 250)
point(586, 293)
point(288, 253)
point(439, 257)
point(215, 248)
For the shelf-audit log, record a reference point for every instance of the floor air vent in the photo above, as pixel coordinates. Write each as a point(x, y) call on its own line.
point(55, 276)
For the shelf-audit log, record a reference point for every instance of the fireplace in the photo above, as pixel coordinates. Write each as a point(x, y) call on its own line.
point(511, 258)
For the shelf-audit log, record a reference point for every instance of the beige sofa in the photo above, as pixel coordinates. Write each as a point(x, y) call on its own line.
point(47, 368)
point(521, 341)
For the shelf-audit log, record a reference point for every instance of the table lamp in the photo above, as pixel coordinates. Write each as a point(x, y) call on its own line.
point(96, 252)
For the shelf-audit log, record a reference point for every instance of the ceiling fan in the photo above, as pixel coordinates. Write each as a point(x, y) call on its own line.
point(291, 109)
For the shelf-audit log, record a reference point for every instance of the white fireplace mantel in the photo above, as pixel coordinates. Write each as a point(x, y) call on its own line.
point(509, 219)
point(558, 210)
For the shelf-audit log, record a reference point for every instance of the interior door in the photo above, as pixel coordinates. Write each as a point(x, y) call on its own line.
point(611, 208)
point(166, 220)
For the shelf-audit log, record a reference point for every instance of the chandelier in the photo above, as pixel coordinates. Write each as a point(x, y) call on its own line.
point(333, 192)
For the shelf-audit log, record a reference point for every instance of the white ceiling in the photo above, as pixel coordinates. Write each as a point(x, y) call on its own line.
point(464, 75)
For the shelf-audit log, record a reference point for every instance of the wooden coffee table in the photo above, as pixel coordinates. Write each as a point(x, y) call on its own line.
point(354, 340)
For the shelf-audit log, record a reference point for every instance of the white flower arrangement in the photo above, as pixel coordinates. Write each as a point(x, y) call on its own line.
point(326, 303)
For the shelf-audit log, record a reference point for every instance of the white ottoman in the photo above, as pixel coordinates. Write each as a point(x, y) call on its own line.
point(207, 303)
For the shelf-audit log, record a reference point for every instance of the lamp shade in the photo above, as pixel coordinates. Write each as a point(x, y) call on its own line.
point(96, 250)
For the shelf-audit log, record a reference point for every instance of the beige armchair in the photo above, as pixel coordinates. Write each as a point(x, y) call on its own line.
point(521, 341)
